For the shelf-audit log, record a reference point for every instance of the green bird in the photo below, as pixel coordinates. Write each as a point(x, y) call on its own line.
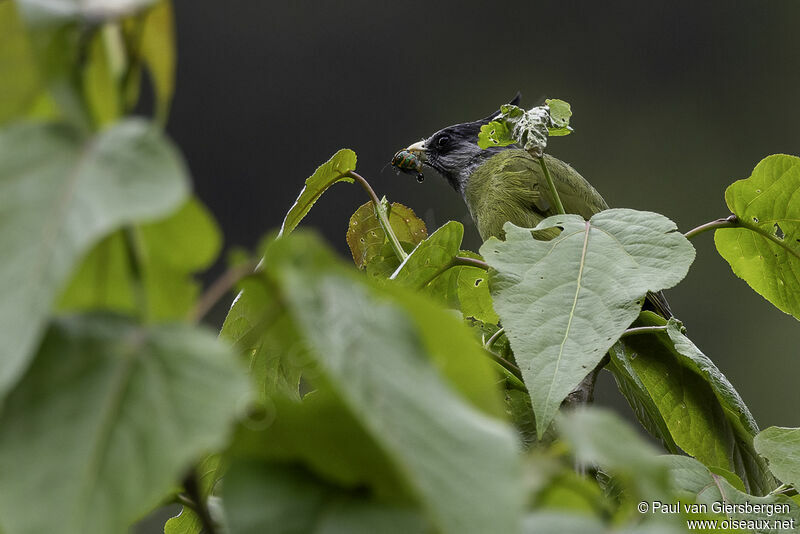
point(502, 184)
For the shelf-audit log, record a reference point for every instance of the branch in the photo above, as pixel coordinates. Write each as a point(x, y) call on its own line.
point(552, 186)
point(643, 330)
point(731, 221)
point(219, 288)
point(470, 262)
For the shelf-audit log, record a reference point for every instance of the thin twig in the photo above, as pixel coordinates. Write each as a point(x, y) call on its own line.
point(219, 288)
point(470, 262)
point(643, 330)
point(382, 219)
point(731, 221)
point(493, 339)
point(551, 184)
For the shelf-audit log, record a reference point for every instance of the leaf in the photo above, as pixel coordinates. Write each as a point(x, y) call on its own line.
point(495, 134)
point(693, 479)
point(765, 250)
point(186, 522)
point(60, 194)
point(41, 14)
point(101, 77)
point(560, 113)
point(158, 52)
point(21, 84)
point(372, 355)
point(366, 238)
point(168, 253)
point(566, 301)
point(107, 419)
point(635, 392)
point(701, 410)
point(332, 171)
point(260, 328)
point(283, 499)
point(465, 288)
point(563, 523)
point(431, 257)
point(781, 448)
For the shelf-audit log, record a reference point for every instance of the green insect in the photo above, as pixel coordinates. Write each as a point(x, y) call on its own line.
point(409, 163)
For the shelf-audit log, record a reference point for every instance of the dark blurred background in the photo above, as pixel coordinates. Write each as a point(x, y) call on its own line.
point(672, 102)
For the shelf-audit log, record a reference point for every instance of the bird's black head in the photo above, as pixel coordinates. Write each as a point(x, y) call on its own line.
point(454, 151)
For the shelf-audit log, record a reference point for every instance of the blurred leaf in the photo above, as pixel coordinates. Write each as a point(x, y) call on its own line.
point(781, 448)
point(566, 301)
point(465, 288)
point(693, 480)
point(101, 79)
point(431, 257)
point(266, 497)
point(373, 357)
point(168, 253)
point(158, 52)
point(598, 436)
point(560, 113)
point(20, 79)
point(366, 238)
point(702, 411)
point(327, 174)
point(61, 193)
point(562, 523)
point(260, 328)
point(107, 419)
point(186, 522)
point(40, 14)
point(765, 252)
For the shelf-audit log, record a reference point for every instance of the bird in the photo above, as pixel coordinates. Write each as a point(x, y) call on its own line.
point(503, 184)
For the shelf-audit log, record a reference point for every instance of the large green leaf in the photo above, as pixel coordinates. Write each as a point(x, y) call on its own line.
point(633, 389)
point(366, 237)
point(701, 410)
point(765, 251)
point(59, 194)
point(459, 463)
point(781, 448)
point(20, 78)
point(332, 171)
point(284, 499)
point(566, 301)
point(431, 257)
point(107, 419)
point(168, 252)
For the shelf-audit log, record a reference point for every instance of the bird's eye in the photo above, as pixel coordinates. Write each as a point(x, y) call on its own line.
point(442, 141)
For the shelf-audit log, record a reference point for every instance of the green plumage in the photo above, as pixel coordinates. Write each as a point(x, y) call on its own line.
point(511, 186)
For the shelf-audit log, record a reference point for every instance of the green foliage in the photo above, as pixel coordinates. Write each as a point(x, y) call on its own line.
point(560, 300)
point(166, 254)
point(70, 191)
point(411, 393)
point(765, 249)
point(529, 128)
point(127, 408)
point(332, 171)
point(365, 235)
point(781, 448)
point(692, 403)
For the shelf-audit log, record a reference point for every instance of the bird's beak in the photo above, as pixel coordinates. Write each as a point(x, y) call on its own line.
point(418, 149)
